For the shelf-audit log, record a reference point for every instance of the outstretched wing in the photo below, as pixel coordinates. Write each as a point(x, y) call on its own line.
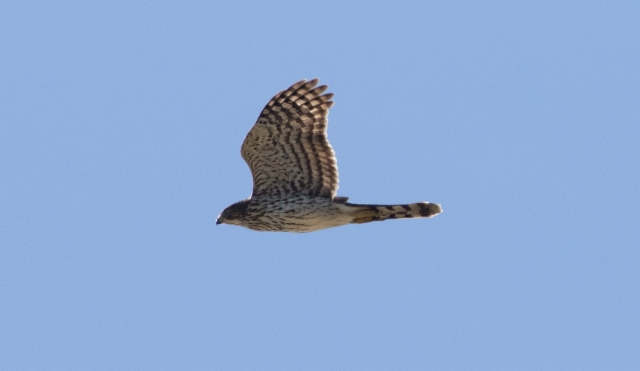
point(287, 149)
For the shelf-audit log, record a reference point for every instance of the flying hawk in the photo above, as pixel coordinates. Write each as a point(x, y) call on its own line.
point(295, 175)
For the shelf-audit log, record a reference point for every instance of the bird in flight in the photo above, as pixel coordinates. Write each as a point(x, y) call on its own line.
point(295, 175)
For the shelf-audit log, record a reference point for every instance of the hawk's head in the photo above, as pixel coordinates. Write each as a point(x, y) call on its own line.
point(234, 214)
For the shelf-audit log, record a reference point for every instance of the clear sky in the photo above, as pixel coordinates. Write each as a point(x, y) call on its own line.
point(120, 133)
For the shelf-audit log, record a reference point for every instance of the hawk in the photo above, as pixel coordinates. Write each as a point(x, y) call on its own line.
point(295, 176)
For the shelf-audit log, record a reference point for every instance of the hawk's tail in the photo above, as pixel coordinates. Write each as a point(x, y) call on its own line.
point(372, 213)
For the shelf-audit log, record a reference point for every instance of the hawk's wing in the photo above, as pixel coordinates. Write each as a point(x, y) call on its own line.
point(287, 149)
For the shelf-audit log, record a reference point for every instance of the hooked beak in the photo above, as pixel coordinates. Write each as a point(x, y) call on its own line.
point(219, 220)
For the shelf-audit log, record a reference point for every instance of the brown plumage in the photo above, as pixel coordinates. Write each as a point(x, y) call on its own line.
point(295, 175)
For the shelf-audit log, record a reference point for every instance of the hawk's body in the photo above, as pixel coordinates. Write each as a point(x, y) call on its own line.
point(295, 176)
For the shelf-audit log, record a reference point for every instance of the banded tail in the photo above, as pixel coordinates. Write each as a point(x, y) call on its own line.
point(372, 213)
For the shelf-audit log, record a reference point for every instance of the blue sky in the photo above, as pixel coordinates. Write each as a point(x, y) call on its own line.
point(121, 126)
